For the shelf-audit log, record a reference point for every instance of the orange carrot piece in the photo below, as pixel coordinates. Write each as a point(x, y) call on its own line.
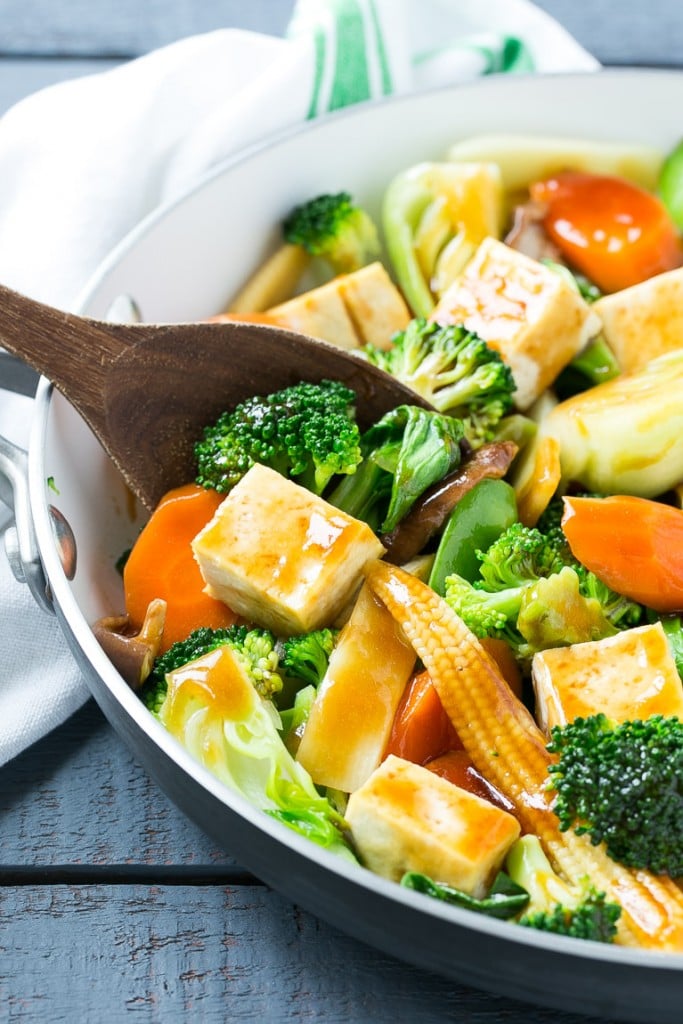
point(634, 545)
point(422, 730)
point(616, 233)
point(161, 565)
point(456, 766)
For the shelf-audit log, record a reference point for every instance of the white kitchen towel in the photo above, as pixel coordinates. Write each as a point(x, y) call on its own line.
point(82, 162)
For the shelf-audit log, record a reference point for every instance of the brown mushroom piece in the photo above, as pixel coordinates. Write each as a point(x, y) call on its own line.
point(430, 511)
point(132, 653)
point(528, 235)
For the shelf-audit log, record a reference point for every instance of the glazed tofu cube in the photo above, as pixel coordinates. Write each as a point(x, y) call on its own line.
point(628, 676)
point(319, 313)
point(406, 818)
point(349, 311)
point(527, 311)
point(645, 321)
point(375, 305)
point(280, 556)
point(351, 718)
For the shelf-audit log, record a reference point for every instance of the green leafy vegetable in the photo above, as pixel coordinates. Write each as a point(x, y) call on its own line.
point(403, 454)
point(504, 899)
point(213, 709)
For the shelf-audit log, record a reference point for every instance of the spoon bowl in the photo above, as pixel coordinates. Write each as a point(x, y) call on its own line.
point(147, 390)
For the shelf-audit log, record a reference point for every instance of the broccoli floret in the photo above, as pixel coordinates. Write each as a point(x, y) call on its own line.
point(404, 453)
point(509, 570)
point(453, 369)
point(577, 910)
point(332, 226)
point(620, 611)
point(521, 554)
point(594, 918)
point(306, 657)
point(548, 611)
point(623, 784)
point(524, 553)
point(153, 692)
point(256, 648)
point(306, 431)
point(533, 593)
point(488, 613)
point(328, 228)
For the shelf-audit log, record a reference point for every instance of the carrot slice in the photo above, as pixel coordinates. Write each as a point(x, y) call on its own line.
point(422, 730)
point(161, 565)
point(613, 231)
point(634, 545)
point(456, 766)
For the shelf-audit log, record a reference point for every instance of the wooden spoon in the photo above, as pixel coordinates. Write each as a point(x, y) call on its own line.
point(148, 390)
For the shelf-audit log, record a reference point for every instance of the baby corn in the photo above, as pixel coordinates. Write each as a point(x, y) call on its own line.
point(505, 744)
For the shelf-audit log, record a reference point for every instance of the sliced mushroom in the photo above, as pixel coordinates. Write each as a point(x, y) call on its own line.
point(430, 511)
point(528, 235)
point(132, 653)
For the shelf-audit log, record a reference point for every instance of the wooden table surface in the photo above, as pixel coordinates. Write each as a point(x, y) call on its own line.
point(111, 902)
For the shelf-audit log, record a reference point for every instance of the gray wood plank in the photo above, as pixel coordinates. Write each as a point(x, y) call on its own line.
point(615, 31)
point(79, 797)
point(96, 952)
point(86, 28)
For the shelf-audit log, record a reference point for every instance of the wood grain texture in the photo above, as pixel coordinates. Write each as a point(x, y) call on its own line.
point(95, 952)
point(84, 28)
point(615, 31)
point(136, 385)
point(79, 797)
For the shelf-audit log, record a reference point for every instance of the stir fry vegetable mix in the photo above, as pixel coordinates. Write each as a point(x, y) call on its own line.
point(450, 648)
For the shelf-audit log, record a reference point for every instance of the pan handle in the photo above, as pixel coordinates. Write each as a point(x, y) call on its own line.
point(21, 544)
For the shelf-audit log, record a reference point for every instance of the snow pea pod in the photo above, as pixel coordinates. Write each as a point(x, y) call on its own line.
point(477, 520)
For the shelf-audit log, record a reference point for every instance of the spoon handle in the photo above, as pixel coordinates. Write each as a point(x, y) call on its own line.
point(73, 352)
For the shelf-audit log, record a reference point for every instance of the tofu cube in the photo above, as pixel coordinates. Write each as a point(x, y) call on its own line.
point(406, 818)
point(375, 305)
point(351, 718)
point(644, 321)
point(280, 556)
point(628, 676)
point(349, 311)
point(319, 313)
point(526, 311)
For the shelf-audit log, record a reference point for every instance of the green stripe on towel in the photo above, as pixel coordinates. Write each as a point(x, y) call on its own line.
point(351, 81)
